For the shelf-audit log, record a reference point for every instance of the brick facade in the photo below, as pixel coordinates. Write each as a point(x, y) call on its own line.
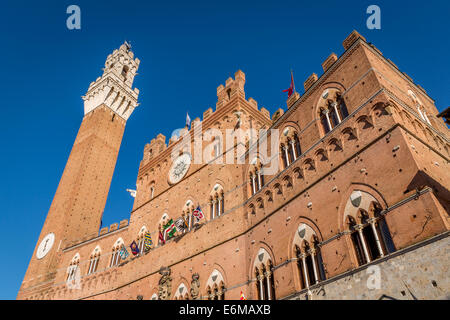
point(376, 168)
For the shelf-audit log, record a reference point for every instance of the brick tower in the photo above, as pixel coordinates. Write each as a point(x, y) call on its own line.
point(76, 211)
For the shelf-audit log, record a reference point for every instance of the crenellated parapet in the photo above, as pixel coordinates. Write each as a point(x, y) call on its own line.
point(155, 147)
point(233, 87)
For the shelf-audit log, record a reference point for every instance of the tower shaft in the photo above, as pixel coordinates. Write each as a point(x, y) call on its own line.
point(77, 207)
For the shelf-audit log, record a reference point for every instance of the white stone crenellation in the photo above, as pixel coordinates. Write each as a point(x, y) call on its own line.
point(114, 88)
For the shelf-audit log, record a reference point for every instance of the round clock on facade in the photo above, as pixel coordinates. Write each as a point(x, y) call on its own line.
point(45, 245)
point(179, 168)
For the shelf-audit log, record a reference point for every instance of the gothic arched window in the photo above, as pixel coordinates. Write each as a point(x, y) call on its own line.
point(140, 240)
point(215, 286)
point(309, 258)
point(263, 271)
point(333, 110)
point(419, 107)
point(256, 174)
point(370, 234)
point(217, 202)
point(187, 215)
point(95, 257)
point(115, 255)
point(73, 267)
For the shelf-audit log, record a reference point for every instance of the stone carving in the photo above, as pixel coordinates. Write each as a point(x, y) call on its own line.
point(165, 284)
point(195, 286)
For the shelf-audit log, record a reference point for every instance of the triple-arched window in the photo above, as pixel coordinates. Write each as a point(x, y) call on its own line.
point(216, 202)
point(333, 110)
point(115, 254)
point(290, 148)
point(309, 258)
point(256, 174)
point(369, 232)
point(95, 257)
point(215, 286)
point(73, 267)
point(419, 107)
point(263, 271)
point(309, 263)
point(187, 215)
point(141, 239)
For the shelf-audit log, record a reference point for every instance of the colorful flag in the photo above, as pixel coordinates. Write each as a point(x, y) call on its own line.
point(148, 241)
point(134, 248)
point(198, 214)
point(242, 296)
point(123, 252)
point(170, 229)
point(291, 89)
point(181, 224)
point(161, 237)
point(188, 120)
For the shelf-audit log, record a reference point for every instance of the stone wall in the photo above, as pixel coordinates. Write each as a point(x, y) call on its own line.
point(418, 272)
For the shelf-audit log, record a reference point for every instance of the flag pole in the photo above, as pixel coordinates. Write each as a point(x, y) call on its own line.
point(292, 76)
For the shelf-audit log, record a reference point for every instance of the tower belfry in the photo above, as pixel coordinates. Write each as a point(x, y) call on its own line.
point(77, 207)
point(114, 88)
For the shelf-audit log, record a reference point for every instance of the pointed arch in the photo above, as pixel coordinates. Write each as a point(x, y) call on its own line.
point(94, 258)
point(369, 234)
point(182, 292)
point(263, 271)
point(331, 108)
point(290, 147)
point(306, 248)
point(215, 285)
point(216, 201)
point(140, 239)
point(73, 267)
point(255, 172)
point(115, 254)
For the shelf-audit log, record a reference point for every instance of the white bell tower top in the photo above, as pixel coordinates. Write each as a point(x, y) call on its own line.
point(114, 88)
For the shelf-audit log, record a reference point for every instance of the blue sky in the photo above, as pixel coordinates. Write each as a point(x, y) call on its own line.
point(186, 50)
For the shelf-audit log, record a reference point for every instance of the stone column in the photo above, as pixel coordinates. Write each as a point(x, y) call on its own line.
point(312, 252)
point(253, 184)
point(213, 208)
point(286, 155)
point(90, 266)
point(189, 220)
point(219, 294)
point(219, 206)
point(261, 285)
point(334, 104)
point(259, 179)
point(375, 233)
point(117, 257)
point(293, 149)
point(325, 111)
point(268, 274)
point(359, 227)
point(95, 264)
point(305, 272)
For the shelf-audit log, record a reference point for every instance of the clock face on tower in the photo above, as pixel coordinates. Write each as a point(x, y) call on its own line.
point(179, 168)
point(45, 245)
